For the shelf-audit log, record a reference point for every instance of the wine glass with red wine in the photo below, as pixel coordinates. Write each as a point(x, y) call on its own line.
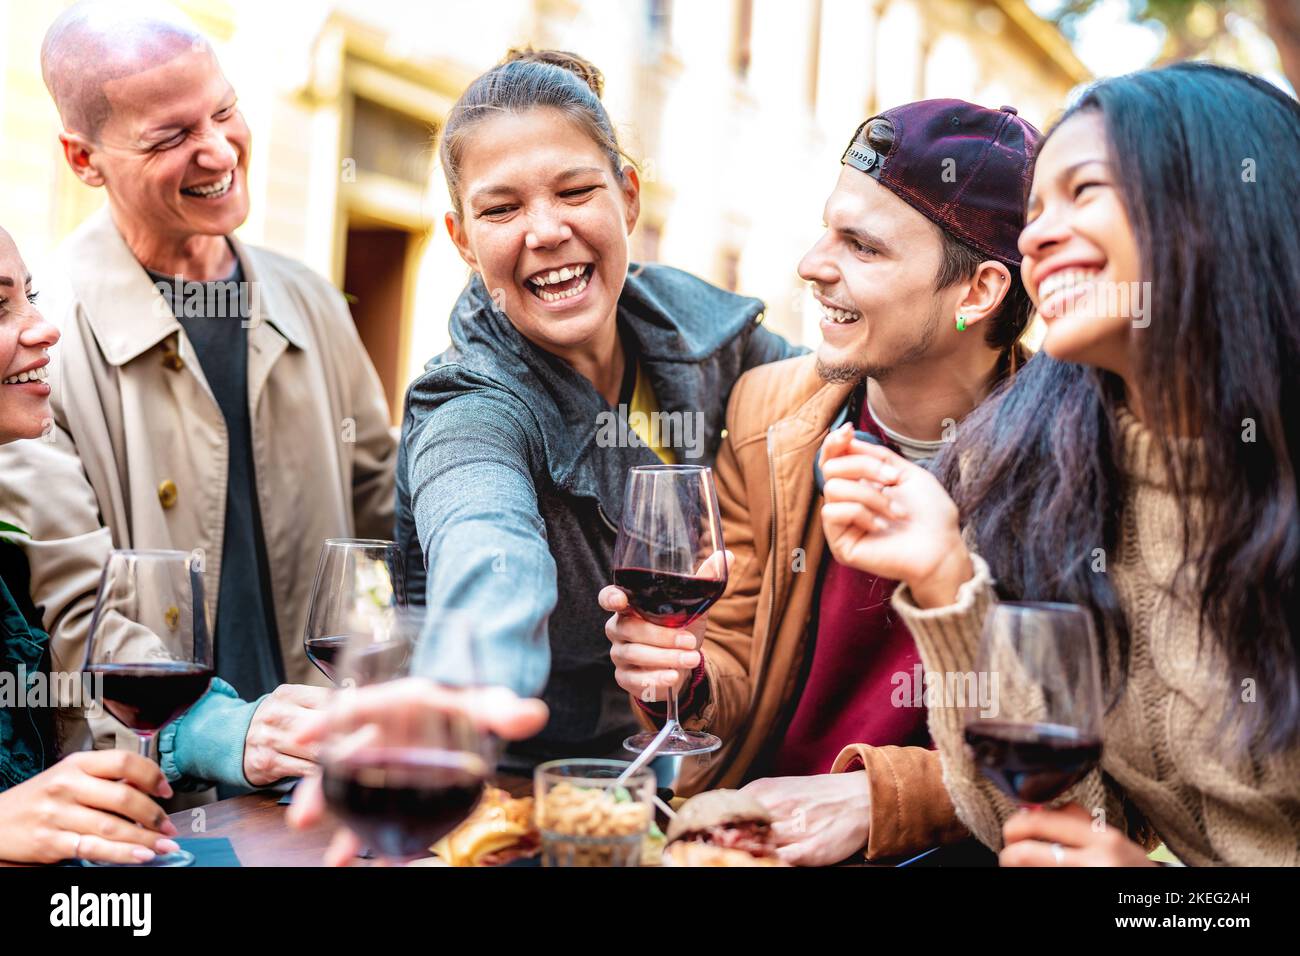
point(1042, 733)
point(669, 561)
point(398, 777)
point(149, 655)
point(359, 582)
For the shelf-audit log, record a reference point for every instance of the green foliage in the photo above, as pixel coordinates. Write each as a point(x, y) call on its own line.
point(1176, 16)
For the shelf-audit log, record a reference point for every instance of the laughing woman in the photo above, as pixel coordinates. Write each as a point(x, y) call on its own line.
point(94, 805)
point(1144, 468)
point(511, 479)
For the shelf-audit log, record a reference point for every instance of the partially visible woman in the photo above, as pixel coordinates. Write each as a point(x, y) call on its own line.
point(93, 805)
point(1143, 467)
point(517, 440)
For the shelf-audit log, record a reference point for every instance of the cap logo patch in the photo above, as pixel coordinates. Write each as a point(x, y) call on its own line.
point(864, 158)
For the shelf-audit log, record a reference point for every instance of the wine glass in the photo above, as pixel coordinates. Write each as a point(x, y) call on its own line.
point(149, 656)
point(670, 561)
point(1039, 732)
point(402, 777)
point(359, 582)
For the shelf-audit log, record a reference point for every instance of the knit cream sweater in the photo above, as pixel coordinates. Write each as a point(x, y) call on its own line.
point(1211, 801)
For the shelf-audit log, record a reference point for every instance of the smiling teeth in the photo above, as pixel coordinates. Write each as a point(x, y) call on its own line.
point(35, 375)
point(216, 189)
point(1065, 279)
point(557, 296)
point(558, 275)
point(839, 316)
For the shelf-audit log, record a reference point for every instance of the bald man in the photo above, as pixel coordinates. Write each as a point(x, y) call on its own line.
point(208, 396)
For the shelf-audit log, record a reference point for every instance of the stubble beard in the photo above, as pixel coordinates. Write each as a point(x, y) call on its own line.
point(840, 373)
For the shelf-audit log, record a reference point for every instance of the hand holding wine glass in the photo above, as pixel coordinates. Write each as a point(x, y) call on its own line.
point(92, 805)
point(1040, 734)
point(149, 653)
point(670, 562)
point(1066, 836)
point(401, 781)
point(390, 706)
point(889, 517)
point(651, 661)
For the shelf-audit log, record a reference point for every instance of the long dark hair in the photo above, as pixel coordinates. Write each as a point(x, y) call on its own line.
point(1207, 160)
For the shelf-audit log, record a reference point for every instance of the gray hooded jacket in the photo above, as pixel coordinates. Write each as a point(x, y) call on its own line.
point(511, 479)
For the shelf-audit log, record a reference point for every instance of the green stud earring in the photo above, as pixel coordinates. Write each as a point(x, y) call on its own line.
point(961, 323)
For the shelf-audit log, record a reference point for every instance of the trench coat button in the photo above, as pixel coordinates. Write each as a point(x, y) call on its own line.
point(172, 617)
point(173, 360)
point(167, 493)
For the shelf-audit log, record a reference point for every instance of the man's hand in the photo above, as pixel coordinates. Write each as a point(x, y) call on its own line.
point(93, 804)
point(650, 661)
point(272, 750)
point(817, 820)
point(395, 705)
point(1066, 837)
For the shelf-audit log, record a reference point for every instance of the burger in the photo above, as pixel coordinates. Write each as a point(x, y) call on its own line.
point(500, 830)
point(722, 828)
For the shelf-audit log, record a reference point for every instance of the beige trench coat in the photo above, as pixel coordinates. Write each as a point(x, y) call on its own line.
point(137, 455)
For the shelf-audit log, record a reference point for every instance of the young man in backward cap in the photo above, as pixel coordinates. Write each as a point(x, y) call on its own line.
point(802, 669)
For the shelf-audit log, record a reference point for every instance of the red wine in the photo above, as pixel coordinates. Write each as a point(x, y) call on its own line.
point(399, 800)
point(324, 652)
point(374, 662)
point(148, 696)
point(1032, 763)
point(669, 600)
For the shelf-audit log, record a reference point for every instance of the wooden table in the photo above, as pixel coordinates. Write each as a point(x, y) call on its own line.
point(255, 826)
point(257, 830)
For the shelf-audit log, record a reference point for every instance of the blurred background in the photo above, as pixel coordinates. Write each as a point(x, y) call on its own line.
point(736, 110)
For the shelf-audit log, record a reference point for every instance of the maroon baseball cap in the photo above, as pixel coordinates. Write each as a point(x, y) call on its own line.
point(963, 166)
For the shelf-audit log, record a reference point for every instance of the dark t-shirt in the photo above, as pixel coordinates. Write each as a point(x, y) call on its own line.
point(246, 644)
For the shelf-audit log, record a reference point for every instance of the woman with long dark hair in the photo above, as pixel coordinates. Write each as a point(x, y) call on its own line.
point(1144, 467)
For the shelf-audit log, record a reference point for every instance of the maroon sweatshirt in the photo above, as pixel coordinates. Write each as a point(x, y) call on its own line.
point(864, 661)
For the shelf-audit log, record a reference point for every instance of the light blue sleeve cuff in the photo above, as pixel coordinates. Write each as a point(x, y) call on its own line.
point(206, 744)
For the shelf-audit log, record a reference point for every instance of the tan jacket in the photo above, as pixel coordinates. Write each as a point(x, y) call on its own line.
point(757, 642)
point(137, 457)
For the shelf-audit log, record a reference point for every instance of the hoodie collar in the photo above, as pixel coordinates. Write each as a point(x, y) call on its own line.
point(125, 310)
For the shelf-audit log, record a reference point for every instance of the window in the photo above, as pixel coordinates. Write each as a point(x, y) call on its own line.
point(391, 143)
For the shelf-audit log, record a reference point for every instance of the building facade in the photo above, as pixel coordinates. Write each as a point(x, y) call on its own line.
point(736, 111)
